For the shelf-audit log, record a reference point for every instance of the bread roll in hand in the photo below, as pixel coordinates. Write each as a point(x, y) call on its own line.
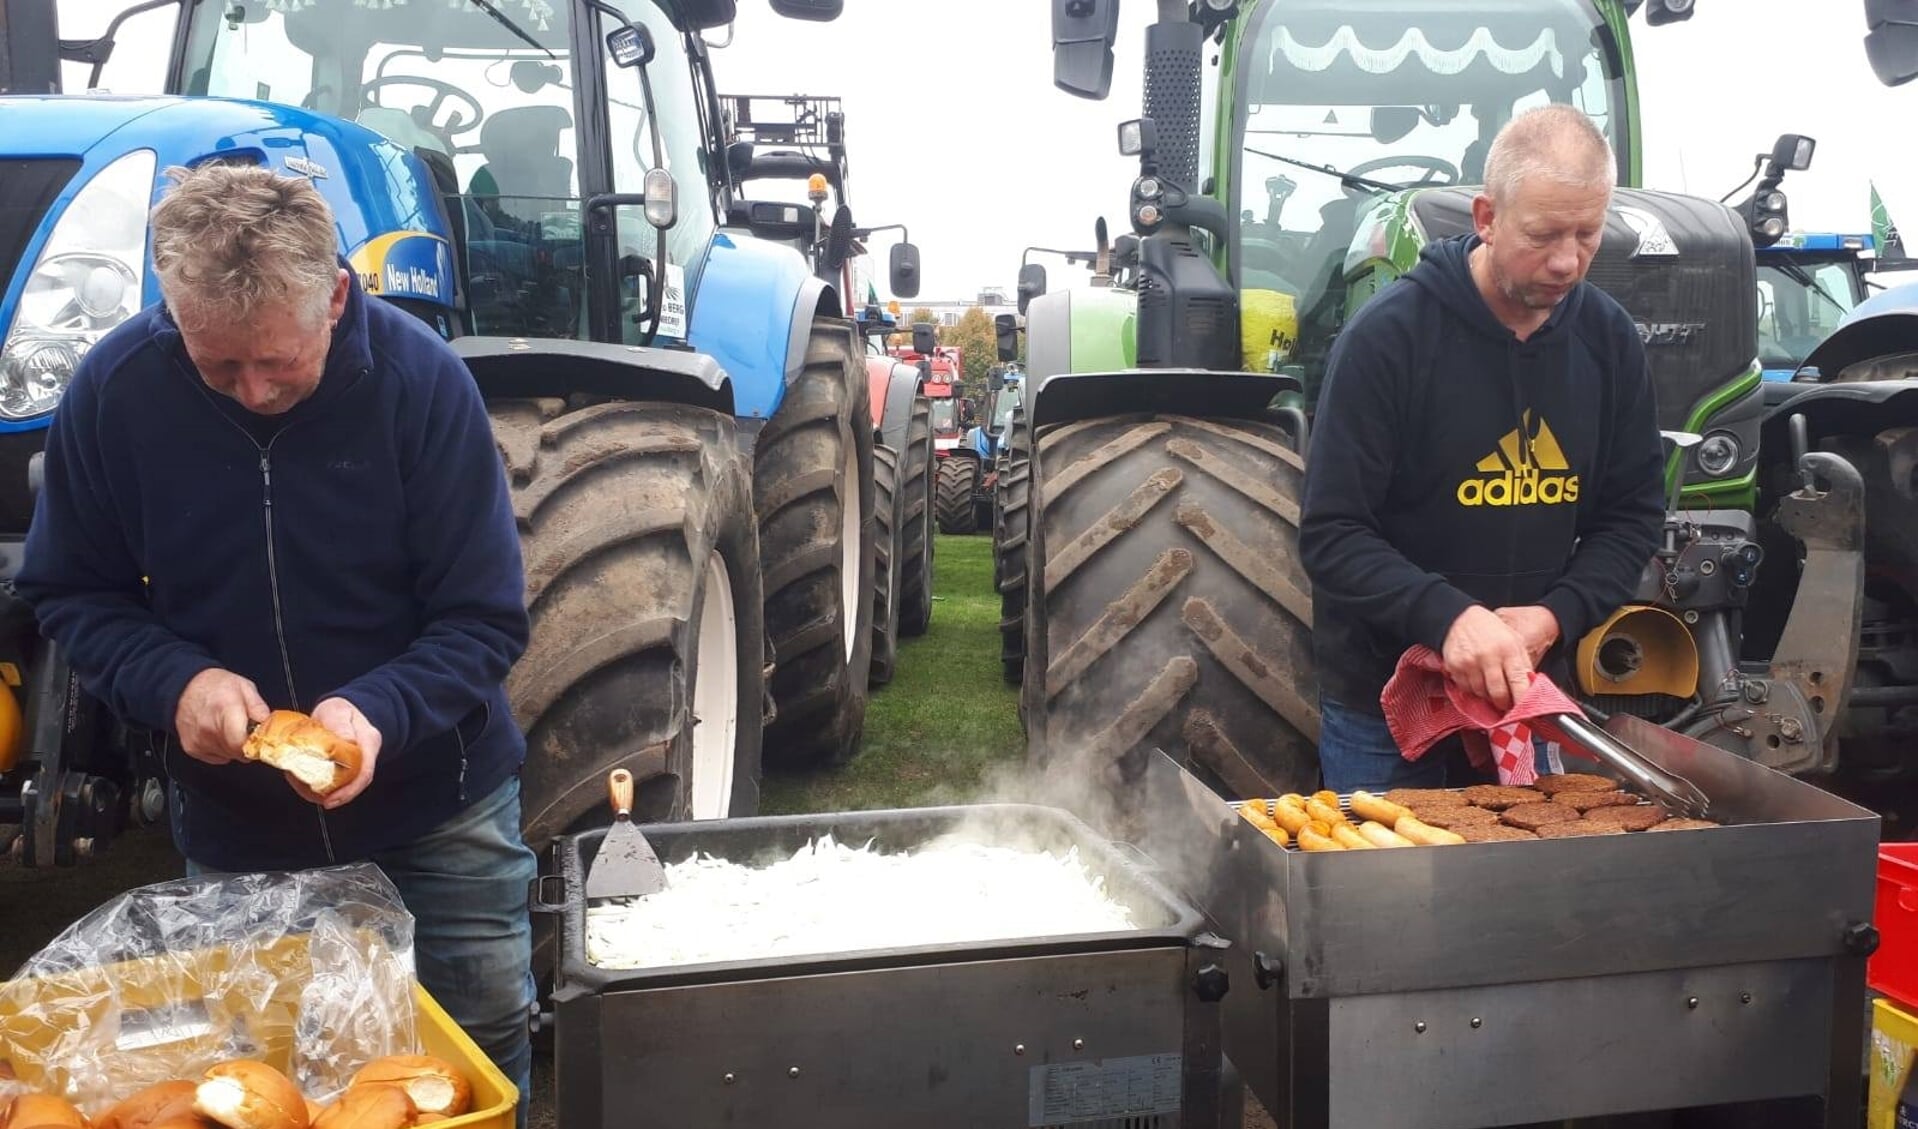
point(308, 751)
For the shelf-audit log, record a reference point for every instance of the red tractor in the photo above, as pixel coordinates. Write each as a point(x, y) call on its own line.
point(961, 475)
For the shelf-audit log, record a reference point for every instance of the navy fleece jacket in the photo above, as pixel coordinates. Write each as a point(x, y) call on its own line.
point(362, 545)
point(1453, 465)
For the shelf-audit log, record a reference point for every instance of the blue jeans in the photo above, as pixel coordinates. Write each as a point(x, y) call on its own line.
point(465, 883)
point(1356, 750)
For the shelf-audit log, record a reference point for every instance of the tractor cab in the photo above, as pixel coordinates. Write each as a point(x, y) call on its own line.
point(1808, 285)
point(1345, 105)
point(539, 123)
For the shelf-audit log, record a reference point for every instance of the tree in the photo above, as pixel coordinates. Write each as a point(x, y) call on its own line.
point(975, 336)
point(903, 338)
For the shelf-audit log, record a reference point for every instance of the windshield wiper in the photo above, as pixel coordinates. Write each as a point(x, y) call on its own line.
point(1803, 277)
point(501, 18)
point(1345, 178)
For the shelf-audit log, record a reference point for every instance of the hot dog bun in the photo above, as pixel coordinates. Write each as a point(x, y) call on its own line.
point(313, 754)
point(374, 1105)
point(249, 1094)
point(434, 1084)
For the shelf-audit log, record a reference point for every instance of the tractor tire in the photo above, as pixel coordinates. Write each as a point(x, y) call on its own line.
point(915, 522)
point(1168, 606)
point(1009, 540)
point(885, 565)
point(813, 486)
point(643, 586)
point(952, 499)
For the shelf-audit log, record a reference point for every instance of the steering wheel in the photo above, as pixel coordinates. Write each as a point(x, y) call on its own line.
point(441, 92)
point(1433, 166)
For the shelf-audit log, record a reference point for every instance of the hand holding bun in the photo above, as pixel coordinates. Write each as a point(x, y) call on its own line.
point(248, 1094)
point(435, 1086)
point(303, 748)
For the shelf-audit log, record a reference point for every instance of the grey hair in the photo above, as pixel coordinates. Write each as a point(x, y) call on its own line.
point(1554, 142)
point(231, 239)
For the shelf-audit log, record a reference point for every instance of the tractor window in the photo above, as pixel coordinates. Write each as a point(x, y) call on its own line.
point(630, 134)
point(1401, 93)
point(945, 415)
point(1800, 304)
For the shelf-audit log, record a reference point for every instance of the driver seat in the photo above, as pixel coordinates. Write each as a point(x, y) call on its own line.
point(521, 147)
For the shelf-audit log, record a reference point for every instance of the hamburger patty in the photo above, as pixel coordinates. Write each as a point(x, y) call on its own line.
point(1498, 797)
point(1574, 782)
point(1683, 825)
point(1457, 818)
point(1586, 801)
point(1419, 799)
point(1534, 816)
point(1496, 833)
point(1640, 817)
point(1578, 828)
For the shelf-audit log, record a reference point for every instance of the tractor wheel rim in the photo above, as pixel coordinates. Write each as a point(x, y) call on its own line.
point(849, 516)
point(716, 698)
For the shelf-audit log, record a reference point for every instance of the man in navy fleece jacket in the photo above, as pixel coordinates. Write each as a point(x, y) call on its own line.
point(274, 492)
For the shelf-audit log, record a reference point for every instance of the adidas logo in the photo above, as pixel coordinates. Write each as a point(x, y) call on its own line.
point(1522, 472)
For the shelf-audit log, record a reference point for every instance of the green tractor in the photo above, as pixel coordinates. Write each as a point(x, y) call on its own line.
point(1295, 155)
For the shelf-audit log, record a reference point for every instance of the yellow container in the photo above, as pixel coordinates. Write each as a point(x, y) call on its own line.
point(34, 1013)
point(1894, 1043)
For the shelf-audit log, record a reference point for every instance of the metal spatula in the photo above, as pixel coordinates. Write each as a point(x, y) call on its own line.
point(626, 865)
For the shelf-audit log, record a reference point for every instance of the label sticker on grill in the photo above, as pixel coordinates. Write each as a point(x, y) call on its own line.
point(1139, 1086)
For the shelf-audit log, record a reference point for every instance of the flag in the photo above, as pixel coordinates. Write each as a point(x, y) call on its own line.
point(1883, 231)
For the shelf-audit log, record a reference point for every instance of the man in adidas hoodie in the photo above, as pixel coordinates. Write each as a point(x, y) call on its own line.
point(275, 492)
point(1486, 473)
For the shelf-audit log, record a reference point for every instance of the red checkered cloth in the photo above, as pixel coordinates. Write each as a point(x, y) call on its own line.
point(1423, 707)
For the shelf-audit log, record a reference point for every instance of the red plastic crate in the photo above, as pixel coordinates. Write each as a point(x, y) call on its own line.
point(1893, 969)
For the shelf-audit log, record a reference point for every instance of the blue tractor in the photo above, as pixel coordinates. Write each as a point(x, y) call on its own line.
point(681, 405)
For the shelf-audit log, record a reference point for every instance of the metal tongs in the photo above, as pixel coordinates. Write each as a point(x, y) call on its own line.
point(1672, 792)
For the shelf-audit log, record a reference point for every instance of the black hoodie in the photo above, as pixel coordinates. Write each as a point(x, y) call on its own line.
point(1453, 465)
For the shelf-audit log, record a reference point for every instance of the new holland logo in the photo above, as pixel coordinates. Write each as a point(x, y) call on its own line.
point(1521, 473)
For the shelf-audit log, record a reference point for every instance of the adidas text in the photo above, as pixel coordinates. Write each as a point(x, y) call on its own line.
point(1522, 488)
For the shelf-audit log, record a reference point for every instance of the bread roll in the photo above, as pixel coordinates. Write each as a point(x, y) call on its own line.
point(1380, 835)
point(434, 1084)
point(1255, 814)
point(1424, 834)
point(1313, 838)
point(1386, 813)
point(249, 1094)
point(167, 1101)
point(303, 748)
point(373, 1105)
point(1328, 814)
point(42, 1111)
point(1289, 813)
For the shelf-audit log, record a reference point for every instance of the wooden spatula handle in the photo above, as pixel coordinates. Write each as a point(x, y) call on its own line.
point(619, 789)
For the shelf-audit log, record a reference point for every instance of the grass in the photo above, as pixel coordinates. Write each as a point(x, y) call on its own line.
point(935, 732)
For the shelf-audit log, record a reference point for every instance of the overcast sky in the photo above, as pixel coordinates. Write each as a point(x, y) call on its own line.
point(955, 129)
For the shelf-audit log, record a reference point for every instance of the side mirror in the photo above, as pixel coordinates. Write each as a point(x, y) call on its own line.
point(1083, 32)
point(818, 11)
point(1392, 123)
point(630, 46)
point(925, 338)
point(1891, 44)
point(1792, 152)
point(905, 270)
point(704, 15)
point(739, 158)
point(1032, 283)
point(1006, 328)
point(838, 241)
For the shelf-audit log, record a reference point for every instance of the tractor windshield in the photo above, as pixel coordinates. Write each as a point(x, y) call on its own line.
point(485, 92)
point(1800, 303)
point(1401, 93)
point(1002, 407)
point(945, 415)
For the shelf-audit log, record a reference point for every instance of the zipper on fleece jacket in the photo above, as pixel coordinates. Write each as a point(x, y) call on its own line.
point(279, 619)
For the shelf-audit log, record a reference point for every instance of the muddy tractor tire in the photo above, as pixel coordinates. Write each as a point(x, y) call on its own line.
point(643, 586)
point(813, 487)
point(915, 522)
point(952, 494)
point(1168, 606)
point(1010, 512)
point(886, 563)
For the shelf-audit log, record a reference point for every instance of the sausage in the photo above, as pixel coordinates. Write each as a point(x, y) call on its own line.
point(1425, 834)
point(1367, 806)
point(1380, 835)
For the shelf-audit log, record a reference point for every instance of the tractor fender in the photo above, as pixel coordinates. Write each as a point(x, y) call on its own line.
point(902, 387)
point(752, 312)
point(516, 368)
point(1884, 326)
point(1864, 407)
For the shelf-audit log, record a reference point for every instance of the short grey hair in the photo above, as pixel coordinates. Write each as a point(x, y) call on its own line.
point(230, 239)
point(1554, 142)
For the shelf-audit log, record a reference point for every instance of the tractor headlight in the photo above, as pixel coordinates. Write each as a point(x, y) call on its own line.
point(86, 281)
point(1718, 454)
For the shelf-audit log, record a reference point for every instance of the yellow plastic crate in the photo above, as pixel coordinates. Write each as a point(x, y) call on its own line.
point(33, 1013)
point(1894, 1042)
